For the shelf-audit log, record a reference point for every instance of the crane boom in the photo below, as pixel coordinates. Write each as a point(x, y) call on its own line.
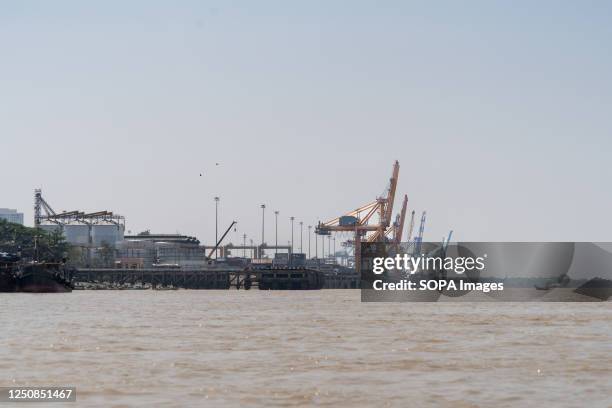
point(399, 228)
point(221, 239)
point(419, 239)
point(445, 243)
point(411, 227)
point(389, 200)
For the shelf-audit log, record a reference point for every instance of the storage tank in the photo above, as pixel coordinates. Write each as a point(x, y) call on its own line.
point(111, 234)
point(77, 234)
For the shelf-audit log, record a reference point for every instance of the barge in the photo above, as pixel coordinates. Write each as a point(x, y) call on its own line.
point(33, 277)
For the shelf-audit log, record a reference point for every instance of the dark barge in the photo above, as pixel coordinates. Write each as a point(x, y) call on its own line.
point(8, 278)
point(33, 277)
point(44, 277)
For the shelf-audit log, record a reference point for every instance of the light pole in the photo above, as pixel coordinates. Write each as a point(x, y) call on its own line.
point(263, 219)
point(244, 245)
point(323, 247)
point(334, 249)
point(292, 218)
point(329, 246)
point(216, 224)
point(317, 247)
point(301, 236)
point(276, 232)
point(309, 232)
point(36, 247)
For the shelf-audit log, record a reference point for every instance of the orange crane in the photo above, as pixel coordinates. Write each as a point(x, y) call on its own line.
point(353, 221)
point(398, 227)
point(396, 230)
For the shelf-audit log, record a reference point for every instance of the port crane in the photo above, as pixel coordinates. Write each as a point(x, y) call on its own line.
point(358, 220)
point(447, 241)
point(214, 249)
point(411, 227)
point(419, 239)
point(397, 229)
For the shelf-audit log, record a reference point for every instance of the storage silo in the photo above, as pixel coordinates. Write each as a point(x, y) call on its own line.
point(77, 234)
point(111, 234)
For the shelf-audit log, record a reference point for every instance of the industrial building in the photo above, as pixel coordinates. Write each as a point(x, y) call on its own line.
point(11, 215)
point(79, 228)
point(169, 250)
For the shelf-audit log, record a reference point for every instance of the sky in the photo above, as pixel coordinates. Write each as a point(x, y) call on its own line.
point(499, 113)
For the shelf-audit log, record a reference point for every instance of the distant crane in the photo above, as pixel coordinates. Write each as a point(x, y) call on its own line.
point(445, 243)
point(411, 227)
point(397, 228)
point(419, 240)
point(212, 251)
point(353, 221)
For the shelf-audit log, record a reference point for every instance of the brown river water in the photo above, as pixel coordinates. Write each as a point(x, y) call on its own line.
point(326, 348)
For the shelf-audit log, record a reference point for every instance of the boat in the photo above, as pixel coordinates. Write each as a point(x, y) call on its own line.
point(561, 282)
point(33, 277)
point(7, 272)
point(43, 277)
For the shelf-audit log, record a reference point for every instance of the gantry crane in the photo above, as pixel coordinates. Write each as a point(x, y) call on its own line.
point(397, 229)
point(419, 239)
point(353, 221)
point(411, 227)
point(447, 241)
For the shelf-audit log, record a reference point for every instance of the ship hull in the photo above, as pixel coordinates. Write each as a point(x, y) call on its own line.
point(42, 278)
point(8, 283)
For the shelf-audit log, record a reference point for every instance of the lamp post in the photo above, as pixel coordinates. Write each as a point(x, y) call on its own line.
point(323, 247)
point(301, 236)
point(309, 232)
point(329, 246)
point(263, 219)
point(244, 245)
point(276, 232)
point(216, 224)
point(334, 249)
point(317, 247)
point(292, 218)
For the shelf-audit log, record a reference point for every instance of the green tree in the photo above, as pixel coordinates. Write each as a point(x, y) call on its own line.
point(33, 243)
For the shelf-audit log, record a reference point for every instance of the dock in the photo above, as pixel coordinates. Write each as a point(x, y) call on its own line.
point(270, 278)
point(156, 277)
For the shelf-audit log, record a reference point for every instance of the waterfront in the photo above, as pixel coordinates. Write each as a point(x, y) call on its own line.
point(277, 348)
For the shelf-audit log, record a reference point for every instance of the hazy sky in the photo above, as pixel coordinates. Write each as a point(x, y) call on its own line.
point(499, 112)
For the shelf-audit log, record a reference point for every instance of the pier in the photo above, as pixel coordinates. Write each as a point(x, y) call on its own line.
point(284, 278)
point(156, 277)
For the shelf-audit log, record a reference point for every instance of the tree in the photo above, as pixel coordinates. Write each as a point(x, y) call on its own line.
point(32, 243)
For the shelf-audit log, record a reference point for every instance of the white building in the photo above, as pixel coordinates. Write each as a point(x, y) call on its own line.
point(11, 215)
